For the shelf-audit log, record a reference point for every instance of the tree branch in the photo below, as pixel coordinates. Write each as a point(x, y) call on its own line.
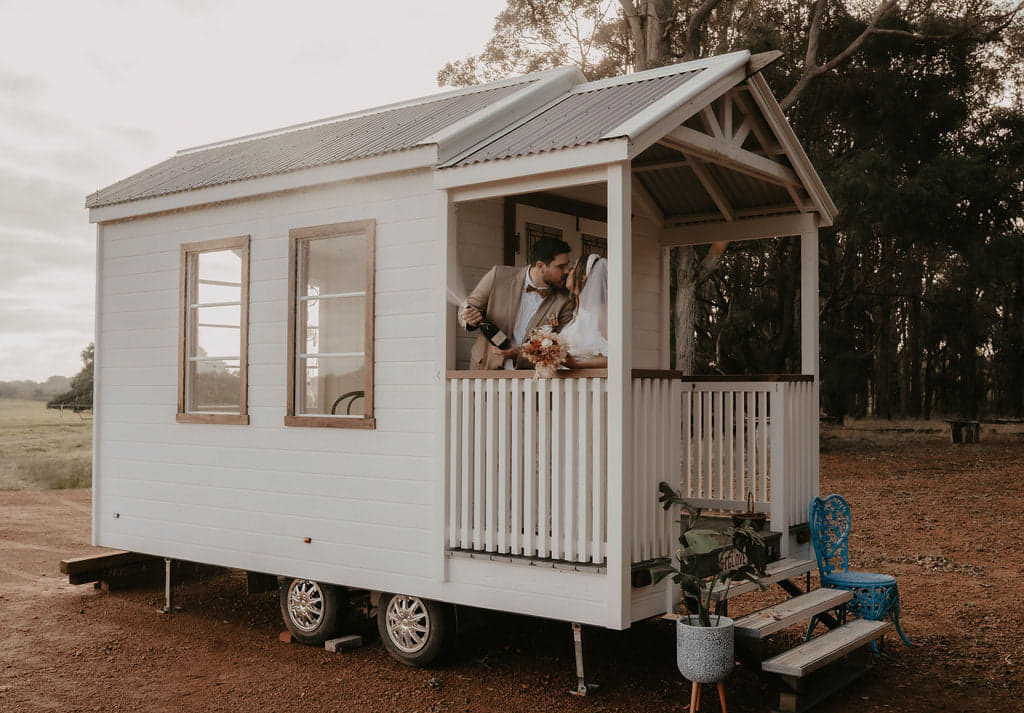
point(812, 69)
point(694, 25)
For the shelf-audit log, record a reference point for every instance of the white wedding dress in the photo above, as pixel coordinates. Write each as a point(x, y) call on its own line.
point(586, 336)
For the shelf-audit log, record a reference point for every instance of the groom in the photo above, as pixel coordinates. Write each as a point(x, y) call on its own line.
point(517, 300)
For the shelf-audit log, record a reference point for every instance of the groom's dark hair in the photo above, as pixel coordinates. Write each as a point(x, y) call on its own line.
point(545, 249)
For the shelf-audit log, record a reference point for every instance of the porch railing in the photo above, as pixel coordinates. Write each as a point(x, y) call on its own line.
point(527, 460)
point(730, 436)
point(527, 465)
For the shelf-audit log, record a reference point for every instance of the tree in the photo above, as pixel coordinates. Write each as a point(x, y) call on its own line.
point(894, 102)
point(81, 391)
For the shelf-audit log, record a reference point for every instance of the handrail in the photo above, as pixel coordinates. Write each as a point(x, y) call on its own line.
point(526, 374)
point(681, 376)
point(637, 374)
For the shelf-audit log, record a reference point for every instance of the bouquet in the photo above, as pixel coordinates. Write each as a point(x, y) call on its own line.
point(545, 349)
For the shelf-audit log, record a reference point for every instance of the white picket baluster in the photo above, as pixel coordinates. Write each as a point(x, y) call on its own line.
point(686, 479)
point(454, 486)
point(598, 471)
point(503, 457)
point(568, 470)
point(516, 475)
point(672, 475)
point(467, 464)
point(530, 469)
point(556, 471)
point(543, 462)
point(489, 475)
point(584, 466)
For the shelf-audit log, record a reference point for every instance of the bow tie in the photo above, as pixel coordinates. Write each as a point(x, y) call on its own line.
point(543, 292)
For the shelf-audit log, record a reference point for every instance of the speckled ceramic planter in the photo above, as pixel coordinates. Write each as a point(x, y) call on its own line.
point(704, 654)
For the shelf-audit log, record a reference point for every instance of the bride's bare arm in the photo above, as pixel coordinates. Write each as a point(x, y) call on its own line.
point(597, 362)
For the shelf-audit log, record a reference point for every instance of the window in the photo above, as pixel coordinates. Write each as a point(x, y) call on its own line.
point(330, 315)
point(214, 332)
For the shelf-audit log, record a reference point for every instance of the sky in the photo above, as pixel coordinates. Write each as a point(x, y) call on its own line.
point(92, 91)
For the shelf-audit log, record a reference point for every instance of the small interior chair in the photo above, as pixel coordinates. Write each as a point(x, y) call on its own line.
point(875, 596)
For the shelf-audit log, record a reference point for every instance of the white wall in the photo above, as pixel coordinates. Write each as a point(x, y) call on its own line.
point(480, 247)
point(246, 496)
point(646, 285)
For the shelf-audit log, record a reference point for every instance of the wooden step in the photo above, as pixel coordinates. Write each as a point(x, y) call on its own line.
point(828, 647)
point(777, 617)
point(775, 571)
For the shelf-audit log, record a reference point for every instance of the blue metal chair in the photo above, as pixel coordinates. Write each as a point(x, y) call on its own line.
point(875, 596)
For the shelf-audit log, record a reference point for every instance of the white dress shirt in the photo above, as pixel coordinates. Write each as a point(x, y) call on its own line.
point(528, 305)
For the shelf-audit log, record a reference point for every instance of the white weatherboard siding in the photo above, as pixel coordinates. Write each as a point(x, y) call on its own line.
point(645, 286)
point(480, 237)
point(246, 496)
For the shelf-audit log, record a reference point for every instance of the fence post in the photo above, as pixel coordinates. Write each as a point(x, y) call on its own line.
point(778, 477)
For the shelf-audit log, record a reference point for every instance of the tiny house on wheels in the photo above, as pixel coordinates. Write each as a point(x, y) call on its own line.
point(282, 386)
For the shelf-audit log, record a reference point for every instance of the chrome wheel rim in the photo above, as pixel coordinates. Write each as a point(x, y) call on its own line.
point(305, 604)
point(408, 623)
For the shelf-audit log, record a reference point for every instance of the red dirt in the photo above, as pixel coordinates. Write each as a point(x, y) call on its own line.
point(946, 520)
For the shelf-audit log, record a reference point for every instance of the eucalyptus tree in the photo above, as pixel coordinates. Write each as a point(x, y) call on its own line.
point(889, 97)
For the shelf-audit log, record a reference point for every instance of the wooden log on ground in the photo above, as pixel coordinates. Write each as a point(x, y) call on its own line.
point(106, 560)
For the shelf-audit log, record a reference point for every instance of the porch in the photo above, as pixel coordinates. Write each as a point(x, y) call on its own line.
point(563, 474)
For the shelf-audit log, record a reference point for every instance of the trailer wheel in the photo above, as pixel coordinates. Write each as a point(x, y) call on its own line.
point(311, 610)
point(414, 631)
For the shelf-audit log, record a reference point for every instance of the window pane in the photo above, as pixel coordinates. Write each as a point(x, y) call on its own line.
point(214, 386)
point(327, 382)
point(335, 324)
point(220, 276)
point(219, 331)
point(334, 265)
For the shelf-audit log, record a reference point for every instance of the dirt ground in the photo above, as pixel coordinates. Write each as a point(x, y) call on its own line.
point(946, 520)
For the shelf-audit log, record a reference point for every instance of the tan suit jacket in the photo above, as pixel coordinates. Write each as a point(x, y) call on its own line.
point(498, 295)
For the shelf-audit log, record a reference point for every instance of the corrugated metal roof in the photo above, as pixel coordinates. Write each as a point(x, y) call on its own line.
point(365, 135)
point(582, 117)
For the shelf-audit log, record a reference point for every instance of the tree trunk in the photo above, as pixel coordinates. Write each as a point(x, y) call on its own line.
point(883, 407)
point(914, 352)
point(686, 308)
point(649, 22)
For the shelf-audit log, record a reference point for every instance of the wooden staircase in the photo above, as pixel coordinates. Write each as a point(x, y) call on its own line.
point(816, 668)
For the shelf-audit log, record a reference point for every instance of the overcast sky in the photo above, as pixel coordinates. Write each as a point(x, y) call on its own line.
point(92, 91)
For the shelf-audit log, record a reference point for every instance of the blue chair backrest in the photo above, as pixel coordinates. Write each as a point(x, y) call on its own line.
point(830, 532)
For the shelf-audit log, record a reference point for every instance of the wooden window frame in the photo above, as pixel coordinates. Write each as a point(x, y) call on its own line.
point(242, 417)
point(295, 237)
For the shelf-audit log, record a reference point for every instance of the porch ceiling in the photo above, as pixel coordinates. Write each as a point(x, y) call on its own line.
point(708, 143)
point(671, 178)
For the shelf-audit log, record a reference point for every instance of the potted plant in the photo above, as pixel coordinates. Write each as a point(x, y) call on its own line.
point(755, 518)
point(706, 558)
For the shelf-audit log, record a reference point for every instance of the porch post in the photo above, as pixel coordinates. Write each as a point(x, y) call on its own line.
point(809, 300)
point(809, 362)
point(445, 351)
point(620, 415)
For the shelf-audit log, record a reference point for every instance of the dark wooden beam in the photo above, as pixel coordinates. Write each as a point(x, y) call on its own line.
point(559, 204)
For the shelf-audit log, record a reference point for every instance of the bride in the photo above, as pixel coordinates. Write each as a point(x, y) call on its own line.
point(586, 336)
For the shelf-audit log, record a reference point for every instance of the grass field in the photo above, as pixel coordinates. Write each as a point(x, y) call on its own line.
point(41, 450)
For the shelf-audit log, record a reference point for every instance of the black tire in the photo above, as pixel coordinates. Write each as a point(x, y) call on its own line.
point(311, 610)
point(415, 631)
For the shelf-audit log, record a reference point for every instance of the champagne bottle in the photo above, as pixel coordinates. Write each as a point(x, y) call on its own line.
point(490, 330)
